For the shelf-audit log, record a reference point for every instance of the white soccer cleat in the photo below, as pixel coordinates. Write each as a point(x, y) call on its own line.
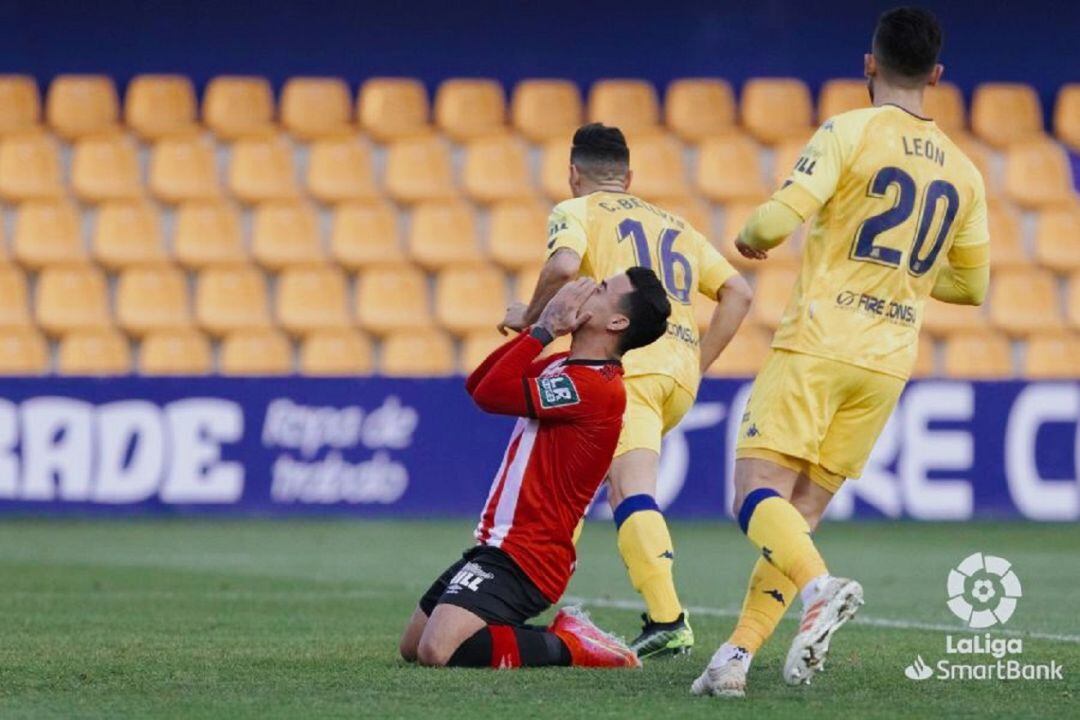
point(835, 604)
point(727, 680)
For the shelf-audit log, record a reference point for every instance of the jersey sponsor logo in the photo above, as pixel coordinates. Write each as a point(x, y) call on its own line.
point(682, 333)
point(895, 312)
point(469, 577)
point(557, 391)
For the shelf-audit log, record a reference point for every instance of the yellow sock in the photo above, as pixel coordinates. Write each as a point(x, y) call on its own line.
point(775, 526)
point(577, 531)
point(767, 599)
point(646, 548)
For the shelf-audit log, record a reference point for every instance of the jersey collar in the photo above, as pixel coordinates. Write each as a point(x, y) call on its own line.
point(905, 110)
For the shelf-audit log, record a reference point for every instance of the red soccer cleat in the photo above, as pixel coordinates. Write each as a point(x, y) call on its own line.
point(589, 645)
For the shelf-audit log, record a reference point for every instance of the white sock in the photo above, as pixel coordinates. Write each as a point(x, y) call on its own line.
point(809, 593)
point(728, 652)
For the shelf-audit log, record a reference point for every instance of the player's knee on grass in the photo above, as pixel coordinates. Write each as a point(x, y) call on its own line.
point(432, 653)
point(410, 638)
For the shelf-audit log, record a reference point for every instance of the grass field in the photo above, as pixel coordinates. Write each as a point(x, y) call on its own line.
point(301, 619)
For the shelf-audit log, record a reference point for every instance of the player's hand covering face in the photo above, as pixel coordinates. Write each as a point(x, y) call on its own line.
point(563, 313)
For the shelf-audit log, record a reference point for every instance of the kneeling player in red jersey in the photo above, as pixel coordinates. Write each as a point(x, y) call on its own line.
point(570, 407)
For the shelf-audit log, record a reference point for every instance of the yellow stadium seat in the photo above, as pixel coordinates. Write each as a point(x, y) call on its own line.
point(1023, 302)
point(256, 352)
point(1066, 115)
point(525, 282)
point(78, 105)
point(1004, 113)
point(393, 108)
point(1052, 355)
point(231, 298)
point(941, 318)
point(1037, 174)
point(555, 170)
point(48, 233)
point(29, 167)
point(392, 297)
point(1057, 239)
point(694, 210)
point(184, 168)
point(470, 298)
point(237, 106)
point(20, 103)
point(285, 233)
point(840, 95)
point(630, 105)
point(467, 108)
point(925, 360)
point(71, 297)
point(311, 298)
point(152, 298)
point(443, 234)
point(23, 351)
point(158, 106)
point(744, 355)
point(1072, 300)
point(365, 234)
point(729, 169)
point(1006, 244)
point(979, 154)
point(517, 233)
point(772, 290)
point(496, 168)
point(128, 233)
point(659, 170)
point(340, 169)
point(105, 168)
point(419, 169)
point(208, 233)
point(545, 110)
point(477, 345)
point(262, 169)
point(786, 155)
point(699, 108)
point(978, 356)
point(93, 352)
point(336, 352)
point(14, 297)
point(776, 109)
point(411, 353)
point(176, 352)
point(314, 107)
point(945, 104)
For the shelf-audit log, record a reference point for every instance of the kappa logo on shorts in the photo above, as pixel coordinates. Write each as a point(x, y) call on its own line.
point(468, 577)
point(557, 391)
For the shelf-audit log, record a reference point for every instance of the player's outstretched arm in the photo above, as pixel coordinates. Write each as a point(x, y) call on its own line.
point(733, 302)
point(966, 277)
point(768, 226)
point(962, 286)
point(560, 268)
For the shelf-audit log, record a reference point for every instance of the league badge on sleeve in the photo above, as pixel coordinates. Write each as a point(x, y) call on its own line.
point(557, 391)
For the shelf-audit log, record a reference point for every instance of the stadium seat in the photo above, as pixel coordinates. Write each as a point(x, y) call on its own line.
point(517, 233)
point(1066, 115)
point(467, 108)
point(311, 298)
point(786, 154)
point(71, 297)
point(23, 351)
point(1057, 239)
point(1037, 174)
point(236, 106)
point(772, 290)
point(525, 282)
point(841, 95)
point(699, 108)
point(128, 233)
point(93, 352)
point(925, 360)
point(1051, 355)
point(342, 352)
point(496, 168)
point(729, 169)
point(980, 155)
point(315, 107)
point(1022, 302)
point(340, 169)
point(79, 105)
point(184, 168)
point(630, 105)
point(285, 233)
point(14, 297)
point(419, 169)
point(391, 298)
point(694, 210)
point(659, 170)
point(29, 167)
point(978, 356)
point(941, 319)
point(411, 353)
point(105, 168)
point(1072, 300)
point(477, 345)
point(470, 298)
point(1006, 243)
point(208, 233)
point(47, 233)
point(776, 109)
point(945, 104)
point(262, 169)
point(745, 355)
point(158, 106)
point(365, 234)
point(152, 298)
point(1004, 113)
point(393, 108)
point(256, 352)
point(231, 298)
point(20, 104)
point(555, 170)
point(176, 352)
point(543, 110)
point(443, 234)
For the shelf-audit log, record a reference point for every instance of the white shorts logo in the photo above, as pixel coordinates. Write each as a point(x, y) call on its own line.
point(983, 590)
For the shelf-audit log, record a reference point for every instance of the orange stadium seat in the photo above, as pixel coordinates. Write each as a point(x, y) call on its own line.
point(311, 298)
point(469, 298)
point(443, 234)
point(105, 168)
point(1037, 174)
point(945, 104)
point(1072, 300)
point(314, 107)
point(78, 105)
point(941, 319)
point(925, 360)
point(517, 233)
point(336, 352)
point(29, 167)
point(393, 108)
point(1003, 113)
point(236, 106)
point(184, 168)
point(1066, 115)
point(659, 170)
point(152, 298)
point(391, 298)
point(71, 297)
point(231, 298)
point(340, 169)
point(630, 105)
point(20, 103)
point(14, 297)
point(729, 169)
point(694, 210)
point(525, 282)
point(47, 233)
point(1007, 245)
point(544, 110)
point(23, 351)
point(158, 106)
point(978, 355)
point(1051, 355)
point(477, 345)
point(256, 352)
point(496, 168)
point(467, 108)
point(979, 154)
point(417, 354)
point(93, 352)
point(840, 95)
point(1057, 239)
point(745, 355)
point(776, 109)
point(285, 233)
point(365, 234)
point(419, 169)
point(262, 169)
point(128, 233)
point(208, 233)
point(1023, 302)
point(555, 170)
point(176, 352)
point(772, 290)
point(699, 108)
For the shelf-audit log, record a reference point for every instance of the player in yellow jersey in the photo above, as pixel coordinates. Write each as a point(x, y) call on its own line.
point(602, 231)
point(899, 215)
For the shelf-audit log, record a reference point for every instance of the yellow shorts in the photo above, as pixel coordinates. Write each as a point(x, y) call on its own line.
point(654, 405)
point(824, 415)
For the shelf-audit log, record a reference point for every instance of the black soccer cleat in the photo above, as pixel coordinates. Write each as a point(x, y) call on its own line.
point(660, 639)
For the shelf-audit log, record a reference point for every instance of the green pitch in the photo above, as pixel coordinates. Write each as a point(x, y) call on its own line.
point(301, 619)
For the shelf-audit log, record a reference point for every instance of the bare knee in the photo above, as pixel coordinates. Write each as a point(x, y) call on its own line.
point(431, 654)
point(407, 648)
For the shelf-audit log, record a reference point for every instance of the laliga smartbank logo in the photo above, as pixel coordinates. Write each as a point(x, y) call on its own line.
point(983, 591)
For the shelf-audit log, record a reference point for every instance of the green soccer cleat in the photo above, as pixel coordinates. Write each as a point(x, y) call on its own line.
point(660, 639)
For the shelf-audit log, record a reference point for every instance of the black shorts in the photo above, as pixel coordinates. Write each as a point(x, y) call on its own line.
point(487, 582)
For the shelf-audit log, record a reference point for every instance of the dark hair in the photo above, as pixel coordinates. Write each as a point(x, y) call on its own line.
point(600, 150)
point(647, 307)
point(907, 41)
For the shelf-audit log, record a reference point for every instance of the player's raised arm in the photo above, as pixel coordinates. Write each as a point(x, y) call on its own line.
point(965, 280)
point(720, 281)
